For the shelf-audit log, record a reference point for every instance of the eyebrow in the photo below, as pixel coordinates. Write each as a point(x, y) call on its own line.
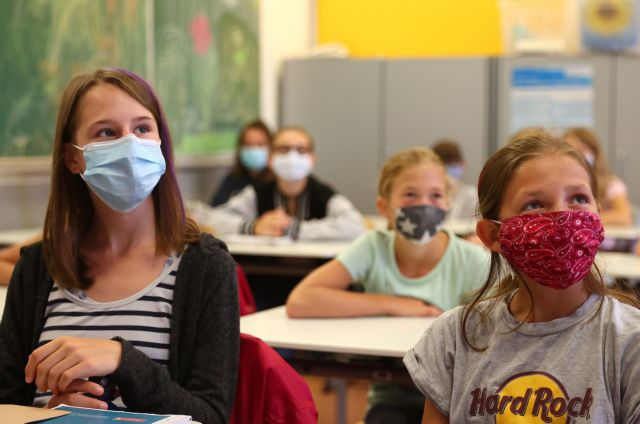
point(575, 187)
point(109, 121)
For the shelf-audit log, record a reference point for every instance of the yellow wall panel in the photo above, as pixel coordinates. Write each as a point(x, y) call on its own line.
point(411, 28)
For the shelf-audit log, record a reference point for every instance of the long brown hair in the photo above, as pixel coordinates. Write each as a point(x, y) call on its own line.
point(70, 211)
point(494, 178)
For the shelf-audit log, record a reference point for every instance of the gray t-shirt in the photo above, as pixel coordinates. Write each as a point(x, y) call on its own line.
point(584, 368)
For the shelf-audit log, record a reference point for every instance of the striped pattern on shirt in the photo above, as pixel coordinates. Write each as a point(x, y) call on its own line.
point(143, 319)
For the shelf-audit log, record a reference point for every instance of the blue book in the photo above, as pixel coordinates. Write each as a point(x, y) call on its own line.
point(87, 415)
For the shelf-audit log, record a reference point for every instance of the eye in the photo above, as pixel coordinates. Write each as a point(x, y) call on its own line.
point(581, 199)
point(105, 133)
point(409, 195)
point(143, 129)
point(437, 196)
point(532, 205)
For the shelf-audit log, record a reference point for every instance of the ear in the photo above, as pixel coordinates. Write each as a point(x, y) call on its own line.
point(73, 159)
point(489, 232)
point(382, 206)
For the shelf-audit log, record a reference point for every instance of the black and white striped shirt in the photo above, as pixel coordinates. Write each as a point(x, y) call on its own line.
point(143, 319)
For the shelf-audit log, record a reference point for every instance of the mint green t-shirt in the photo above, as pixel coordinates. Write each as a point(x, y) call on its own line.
point(371, 261)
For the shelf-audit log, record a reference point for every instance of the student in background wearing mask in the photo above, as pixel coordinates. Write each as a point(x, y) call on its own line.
point(294, 203)
point(251, 164)
point(543, 340)
point(413, 269)
point(615, 208)
point(463, 197)
point(123, 284)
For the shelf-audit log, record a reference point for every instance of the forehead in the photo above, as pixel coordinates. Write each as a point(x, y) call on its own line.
point(423, 175)
point(106, 101)
point(292, 138)
point(546, 174)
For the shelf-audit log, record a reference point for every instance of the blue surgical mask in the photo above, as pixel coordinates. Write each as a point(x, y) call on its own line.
point(254, 158)
point(590, 158)
point(123, 172)
point(419, 223)
point(455, 171)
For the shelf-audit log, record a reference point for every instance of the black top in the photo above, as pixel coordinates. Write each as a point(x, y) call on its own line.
point(230, 186)
point(312, 203)
point(201, 376)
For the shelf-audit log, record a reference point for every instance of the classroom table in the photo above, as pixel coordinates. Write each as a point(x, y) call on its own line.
point(9, 237)
point(368, 348)
point(274, 265)
point(619, 265)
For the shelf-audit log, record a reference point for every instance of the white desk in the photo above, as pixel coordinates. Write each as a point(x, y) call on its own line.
point(9, 237)
point(619, 265)
point(373, 336)
point(281, 247)
point(622, 232)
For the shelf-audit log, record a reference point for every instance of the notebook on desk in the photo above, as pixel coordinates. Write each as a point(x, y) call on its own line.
point(79, 415)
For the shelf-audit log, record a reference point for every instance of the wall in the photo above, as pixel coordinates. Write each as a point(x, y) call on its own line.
point(411, 28)
point(286, 30)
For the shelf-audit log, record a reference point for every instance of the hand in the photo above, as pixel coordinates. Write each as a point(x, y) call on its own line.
point(272, 223)
point(75, 395)
point(411, 307)
point(55, 365)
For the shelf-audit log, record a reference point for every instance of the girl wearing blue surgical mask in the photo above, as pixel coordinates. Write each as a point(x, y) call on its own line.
point(111, 292)
point(251, 165)
point(415, 268)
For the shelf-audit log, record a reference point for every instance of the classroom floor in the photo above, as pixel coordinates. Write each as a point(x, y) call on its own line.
point(326, 399)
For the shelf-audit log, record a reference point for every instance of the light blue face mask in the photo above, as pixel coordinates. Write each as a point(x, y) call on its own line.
point(123, 172)
point(254, 158)
point(455, 171)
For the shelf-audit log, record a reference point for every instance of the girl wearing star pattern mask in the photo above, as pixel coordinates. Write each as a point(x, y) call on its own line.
point(543, 340)
point(412, 269)
point(123, 288)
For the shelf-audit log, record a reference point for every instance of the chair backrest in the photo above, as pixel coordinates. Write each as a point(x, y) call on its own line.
point(245, 297)
point(269, 391)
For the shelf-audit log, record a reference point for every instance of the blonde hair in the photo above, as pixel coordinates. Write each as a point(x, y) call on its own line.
point(402, 160)
point(589, 139)
point(294, 128)
point(494, 179)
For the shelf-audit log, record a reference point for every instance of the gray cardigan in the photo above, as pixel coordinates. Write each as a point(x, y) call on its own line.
point(200, 379)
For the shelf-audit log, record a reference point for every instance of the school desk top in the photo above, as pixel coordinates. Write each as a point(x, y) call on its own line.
point(375, 336)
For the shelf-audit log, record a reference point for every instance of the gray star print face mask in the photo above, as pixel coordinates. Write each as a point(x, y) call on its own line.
point(419, 223)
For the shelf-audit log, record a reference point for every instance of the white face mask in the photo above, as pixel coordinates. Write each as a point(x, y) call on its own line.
point(292, 166)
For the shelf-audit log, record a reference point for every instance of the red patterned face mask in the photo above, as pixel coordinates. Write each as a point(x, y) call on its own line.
point(555, 249)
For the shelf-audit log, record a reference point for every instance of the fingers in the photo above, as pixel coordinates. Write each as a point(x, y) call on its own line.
point(37, 356)
point(85, 386)
point(77, 399)
point(432, 311)
point(61, 374)
point(57, 364)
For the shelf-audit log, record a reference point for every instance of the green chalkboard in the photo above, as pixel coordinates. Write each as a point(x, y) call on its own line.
point(200, 55)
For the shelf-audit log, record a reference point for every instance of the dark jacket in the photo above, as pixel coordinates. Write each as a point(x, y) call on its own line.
point(201, 376)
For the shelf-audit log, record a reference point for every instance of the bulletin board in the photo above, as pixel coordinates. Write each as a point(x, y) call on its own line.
point(201, 56)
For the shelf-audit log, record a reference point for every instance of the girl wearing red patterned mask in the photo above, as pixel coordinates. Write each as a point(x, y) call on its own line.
point(543, 338)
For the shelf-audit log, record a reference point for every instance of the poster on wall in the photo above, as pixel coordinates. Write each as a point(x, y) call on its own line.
point(554, 97)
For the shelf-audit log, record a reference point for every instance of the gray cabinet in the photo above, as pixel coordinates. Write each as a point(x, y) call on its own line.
point(362, 111)
point(338, 101)
point(626, 121)
point(430, 99)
